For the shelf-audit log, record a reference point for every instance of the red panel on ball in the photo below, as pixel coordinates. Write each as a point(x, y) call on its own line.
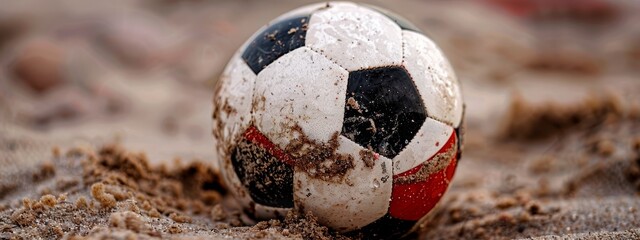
point(414, 196)
point(255, 136)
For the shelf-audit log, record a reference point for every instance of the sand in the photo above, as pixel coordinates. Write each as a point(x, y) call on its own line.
point(105, 120)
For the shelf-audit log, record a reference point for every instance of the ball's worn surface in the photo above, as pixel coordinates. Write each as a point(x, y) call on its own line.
point(344, 110)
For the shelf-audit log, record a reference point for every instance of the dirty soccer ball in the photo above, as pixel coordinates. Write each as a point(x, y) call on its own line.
point(344, 110)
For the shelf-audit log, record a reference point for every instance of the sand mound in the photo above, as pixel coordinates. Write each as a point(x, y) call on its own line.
point(112, 192)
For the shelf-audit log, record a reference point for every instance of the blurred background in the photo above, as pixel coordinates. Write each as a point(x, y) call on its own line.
point(141, 71)
point(551, 88)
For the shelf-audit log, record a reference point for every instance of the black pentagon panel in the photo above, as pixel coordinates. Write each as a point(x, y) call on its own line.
point(278, 39)
point(402, 22)
point(383, 109)
point(387, 227)
point(268, 180)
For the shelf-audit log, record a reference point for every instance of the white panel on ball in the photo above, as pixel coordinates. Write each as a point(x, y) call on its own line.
point(301, 88)
point(233, 101)
point(434, 78)
point(355, 37)
point(359, 198)
point(428, 141)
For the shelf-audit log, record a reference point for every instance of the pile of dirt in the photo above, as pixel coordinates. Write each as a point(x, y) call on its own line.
point(113, 192)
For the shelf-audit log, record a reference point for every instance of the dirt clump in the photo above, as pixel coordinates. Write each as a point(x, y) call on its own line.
point(128, 220)
point(352, 103)
point(48, 200)
point(368, 157)
point(106, 200)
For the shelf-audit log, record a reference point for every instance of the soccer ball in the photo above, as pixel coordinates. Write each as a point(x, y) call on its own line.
point(344, 110)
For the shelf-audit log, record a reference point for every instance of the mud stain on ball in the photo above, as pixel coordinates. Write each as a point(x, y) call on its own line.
point(368, 156)
point(436, 164)
point(317, 159)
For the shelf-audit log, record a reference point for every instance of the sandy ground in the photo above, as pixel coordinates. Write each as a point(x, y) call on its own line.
point(105, 115)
